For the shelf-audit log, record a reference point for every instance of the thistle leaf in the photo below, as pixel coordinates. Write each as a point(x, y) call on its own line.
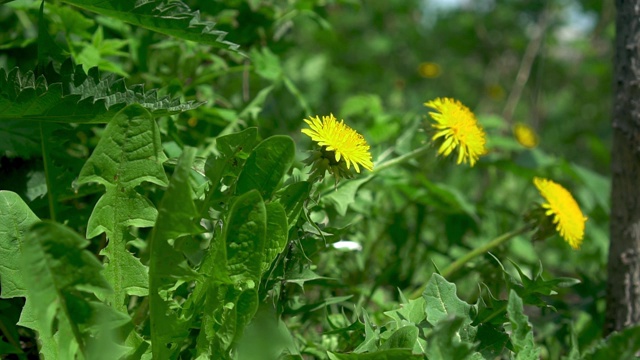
point(172, 18)
point(73, 96)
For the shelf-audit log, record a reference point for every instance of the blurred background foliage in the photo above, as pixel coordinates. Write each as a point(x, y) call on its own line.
point(546, 64)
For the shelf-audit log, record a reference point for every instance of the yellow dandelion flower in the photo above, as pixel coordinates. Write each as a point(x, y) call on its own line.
point(565, 211)
point(525, 135)
point(459, 128)
point(340, 139)
point(429, 70)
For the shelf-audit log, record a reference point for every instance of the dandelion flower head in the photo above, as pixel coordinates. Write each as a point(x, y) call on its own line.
point(525, 135)
point(340, 139)
point(459, 128)
point(564, 209)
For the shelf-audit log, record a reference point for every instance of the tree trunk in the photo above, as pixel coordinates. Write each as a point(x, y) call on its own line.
point(623, 286)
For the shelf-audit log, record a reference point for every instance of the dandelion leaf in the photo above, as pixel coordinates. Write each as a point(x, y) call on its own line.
point(62, 281)
point(15, 220)
point(293, 198)
point(390, 354)
point(128, 154)
point(443, 303)
point(276, 235)
point(230, 306)
point(177, 217)
point(267, 165)
point(445, 340)
point(521, 333)
point(403, 338)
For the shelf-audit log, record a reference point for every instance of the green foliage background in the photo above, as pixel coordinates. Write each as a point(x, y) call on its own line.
point(161, 148)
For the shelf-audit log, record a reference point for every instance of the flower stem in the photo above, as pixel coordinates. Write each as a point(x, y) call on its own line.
point(401, 159)
point(458, 264)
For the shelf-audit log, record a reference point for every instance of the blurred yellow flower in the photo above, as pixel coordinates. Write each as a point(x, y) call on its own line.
point(563, 207)
point(429, 70)
point(525, 135)
point(340, 139)
point(459, 128)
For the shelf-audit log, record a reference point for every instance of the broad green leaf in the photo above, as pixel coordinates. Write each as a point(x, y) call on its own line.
point(493, 340)
point(73, 96)
point(238, 144)
point(443, 303)
point(61, 279)
point(172, 18)
point(391, 354)
point(445, 340)
point(413, 312)
point(177, 216)
point(128, 154)
point(345, 195)
point(623, 344)
point(276, 234)
point(293, 198)
point(230, 307)
point(521, 332)
point(15, 219)
point(266, 166)
point(19, 138)
point(402, 338)
point(224, 169)
point(244, 235)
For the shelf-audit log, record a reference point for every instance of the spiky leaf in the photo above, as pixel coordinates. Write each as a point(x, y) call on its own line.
point(521, 332)
point(73, 96)
point(173, 18)
point(443, 303)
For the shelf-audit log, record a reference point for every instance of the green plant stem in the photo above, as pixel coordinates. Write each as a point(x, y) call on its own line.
point(46, 159)
point(401, 159)
point(458, 264)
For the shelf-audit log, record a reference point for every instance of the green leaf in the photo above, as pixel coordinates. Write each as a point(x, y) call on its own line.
point(371, 337)
point(172, 18)
point(391, 354)
point(19, 138)
point(445, 341)
point(228, 307)
point(15, 219)
point(244, 234)
point(238, 144)
point(266, 166)
point(128, 154)
point(413, 312)
point(345, 195)
point(521, 332)
point(61, 279)
point(276, 234)
point(177, 216)
point(293, 198)
point(492, 340)
point(623, 344)
point(402, 338)
point(73, 96)
point(443, 303)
